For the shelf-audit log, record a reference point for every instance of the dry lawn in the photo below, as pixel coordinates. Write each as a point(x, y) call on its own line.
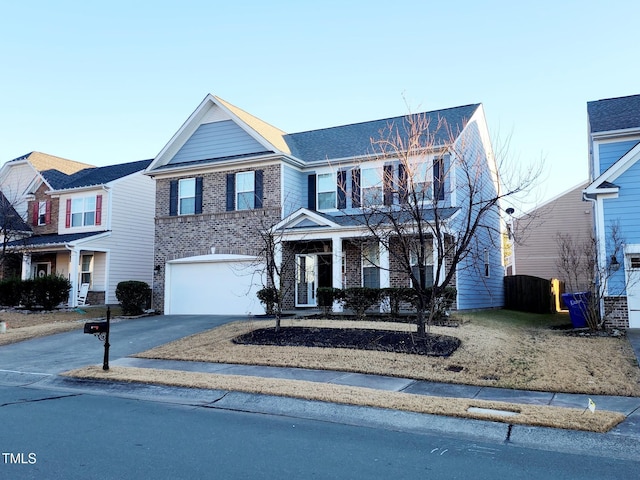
point(574, 419)
point(24, 325)
point(493, 353)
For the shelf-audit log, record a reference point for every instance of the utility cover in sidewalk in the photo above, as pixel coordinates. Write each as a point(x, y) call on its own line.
point(491, 411)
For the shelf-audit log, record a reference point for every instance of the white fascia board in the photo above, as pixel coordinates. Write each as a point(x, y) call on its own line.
point(614, 171)
point(79, 242)
point(214, 258)
point(302, 214)
point(68, 191)
point(615, 134)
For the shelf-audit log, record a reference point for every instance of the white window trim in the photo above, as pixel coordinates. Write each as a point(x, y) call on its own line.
point(42, 213)
point(183, 181)
point(84, 211)
point(333, 190)
point(238, 191)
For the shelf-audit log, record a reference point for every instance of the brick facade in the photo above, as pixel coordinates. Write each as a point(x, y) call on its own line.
point(228, 232)
point(616, 312)
point(40, 196)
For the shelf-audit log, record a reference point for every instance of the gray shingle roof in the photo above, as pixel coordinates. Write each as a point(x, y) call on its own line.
point(51, 240)
point(355, 139)
point(614, 113)
point(102, 175)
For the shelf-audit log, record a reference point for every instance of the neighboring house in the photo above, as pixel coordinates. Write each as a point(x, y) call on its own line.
point(614, 167)
point(227, 175)
point(534, 235)
point(93, 225)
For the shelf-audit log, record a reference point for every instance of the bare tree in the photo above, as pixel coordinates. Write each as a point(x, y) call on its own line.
point(410, 211)
point(12, 228)
point(582, 272)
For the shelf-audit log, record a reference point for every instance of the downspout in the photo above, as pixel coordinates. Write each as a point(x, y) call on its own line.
point(73, 274)
point(602, 254)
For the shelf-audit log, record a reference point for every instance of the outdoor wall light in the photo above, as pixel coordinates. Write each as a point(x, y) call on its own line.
point(614, 264)
point(157, 268)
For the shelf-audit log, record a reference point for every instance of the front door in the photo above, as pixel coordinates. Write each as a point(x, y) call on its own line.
point(632, 265)
point(313, 270)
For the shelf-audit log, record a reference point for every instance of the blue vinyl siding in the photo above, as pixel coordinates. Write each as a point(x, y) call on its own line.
point(217, 140)
point(475, 290)
point(624, 211)
point(610, 153)
point(294, 190)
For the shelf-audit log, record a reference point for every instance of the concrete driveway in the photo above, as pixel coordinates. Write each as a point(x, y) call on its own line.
point(65, 351)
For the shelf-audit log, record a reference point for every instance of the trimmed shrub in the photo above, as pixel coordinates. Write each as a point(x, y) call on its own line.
point(360, 299)
point(396, 296)
point(325, 297)
point(133, 296)
point(27, 294)
point(268, 297)
point(10, 291)
point(50, 291)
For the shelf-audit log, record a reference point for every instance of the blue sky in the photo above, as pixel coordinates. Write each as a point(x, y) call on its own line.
point(111, 82)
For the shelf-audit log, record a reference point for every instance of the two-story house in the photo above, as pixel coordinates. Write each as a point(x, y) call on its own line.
point(93, 225)
point(226, 175)
point(614, 190)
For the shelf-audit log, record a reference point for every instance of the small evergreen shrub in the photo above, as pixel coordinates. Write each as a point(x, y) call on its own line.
point(133, 296)
point(50, 291)
point(268, 296)
point(325, 297)
point(360, 299)
point(10, 292)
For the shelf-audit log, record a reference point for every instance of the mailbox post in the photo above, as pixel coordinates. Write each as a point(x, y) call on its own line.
point(101, 330)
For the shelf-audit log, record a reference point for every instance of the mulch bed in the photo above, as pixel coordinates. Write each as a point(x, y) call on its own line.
point(354, 338)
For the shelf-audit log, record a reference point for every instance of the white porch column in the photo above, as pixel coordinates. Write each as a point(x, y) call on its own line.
point(73, 277)
point(336, 265)
point(277, 259)
point(26, 266)
point(385, 275)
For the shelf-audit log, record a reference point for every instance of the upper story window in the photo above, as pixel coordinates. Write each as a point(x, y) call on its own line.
point(84, 211)
point(185, 196)
point(371, 185)
point(41, 213)
point(244, 190)
point(326, 191)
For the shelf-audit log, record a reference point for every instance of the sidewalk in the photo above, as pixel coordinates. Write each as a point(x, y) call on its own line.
point(629, 406)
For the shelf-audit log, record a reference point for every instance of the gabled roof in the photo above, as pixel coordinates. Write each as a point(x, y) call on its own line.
point(102, 175)
point(621, 113)
point(354, 140)
point(216, 126)
point(44, 161)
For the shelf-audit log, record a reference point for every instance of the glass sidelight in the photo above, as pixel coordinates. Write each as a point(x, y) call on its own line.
point(312, 271)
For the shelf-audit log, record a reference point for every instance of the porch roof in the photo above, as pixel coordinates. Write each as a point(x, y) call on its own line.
point(53, 240)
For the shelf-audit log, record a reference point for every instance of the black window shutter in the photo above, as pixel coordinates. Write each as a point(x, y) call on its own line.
point(231, 192)
point(258, 188)
point(198, 208)
point(387, 183)
point(342, 189)
point(173, 197)
point(355, 187)
point(438, 181)
point(402, 184)
point(311, 191)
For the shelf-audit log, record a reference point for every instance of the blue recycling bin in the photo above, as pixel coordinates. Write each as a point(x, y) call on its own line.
point(578, 304)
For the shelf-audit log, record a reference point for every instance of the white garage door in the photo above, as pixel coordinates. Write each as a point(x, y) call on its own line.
point(213, 285)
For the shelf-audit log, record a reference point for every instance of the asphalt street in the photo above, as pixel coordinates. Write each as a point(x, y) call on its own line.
point(52, 427)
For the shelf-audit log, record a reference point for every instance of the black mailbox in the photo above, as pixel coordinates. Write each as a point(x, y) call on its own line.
point(95, 327)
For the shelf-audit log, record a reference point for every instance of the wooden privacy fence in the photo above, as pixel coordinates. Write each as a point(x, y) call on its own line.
point(528, 294)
